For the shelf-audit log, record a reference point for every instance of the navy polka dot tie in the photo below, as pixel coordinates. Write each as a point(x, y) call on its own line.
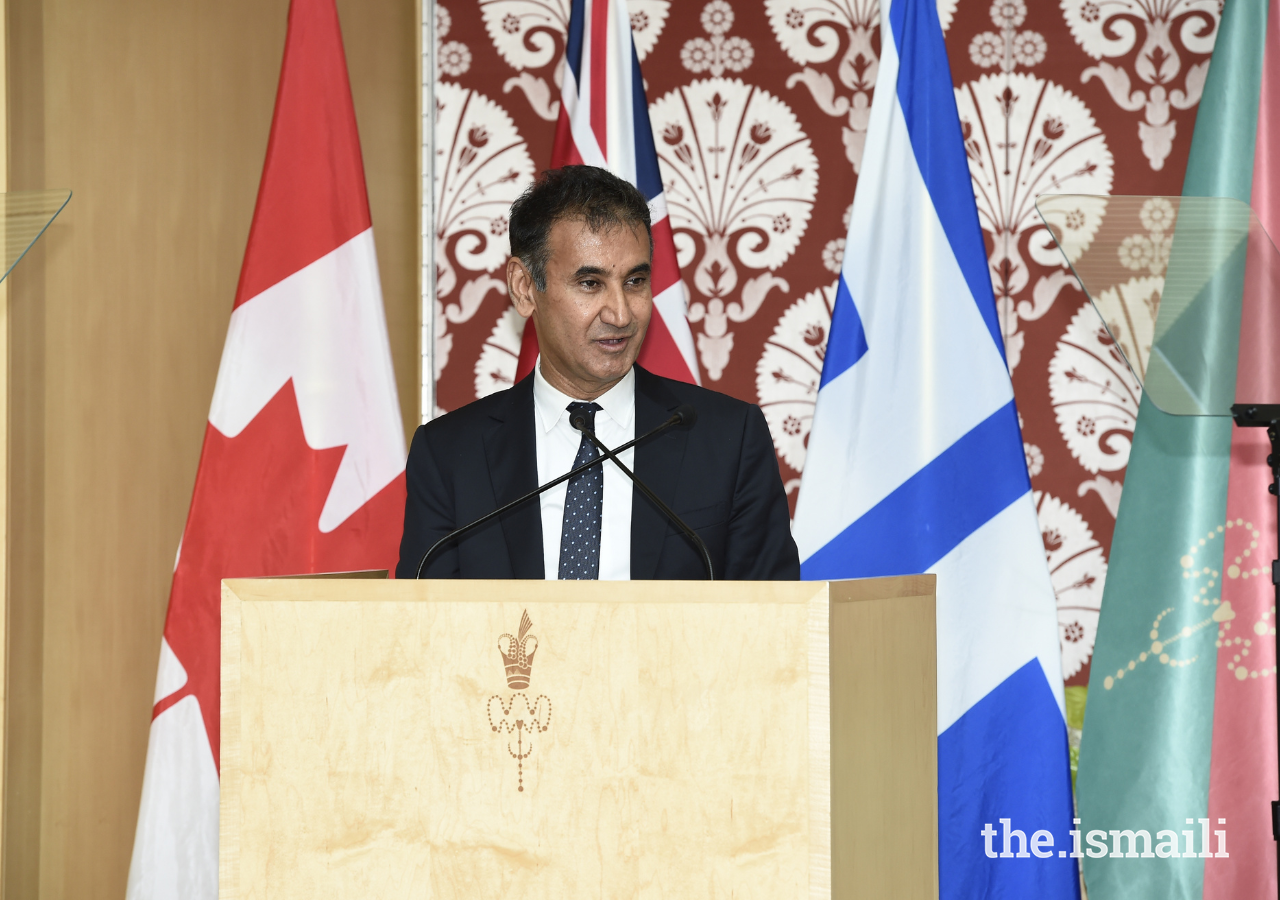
point(583, 509)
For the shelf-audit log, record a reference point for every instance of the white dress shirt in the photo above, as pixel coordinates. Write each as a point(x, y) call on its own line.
point(557, 445)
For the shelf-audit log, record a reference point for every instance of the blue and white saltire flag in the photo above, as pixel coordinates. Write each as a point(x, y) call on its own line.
point(915, 464)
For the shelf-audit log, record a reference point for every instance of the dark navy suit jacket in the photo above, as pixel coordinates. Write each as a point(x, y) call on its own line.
point(720, 476)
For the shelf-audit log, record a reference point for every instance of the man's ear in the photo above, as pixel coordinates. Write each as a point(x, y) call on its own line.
point(520, 287)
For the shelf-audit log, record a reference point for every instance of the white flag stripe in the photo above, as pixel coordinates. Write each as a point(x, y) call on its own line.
point(672, 304)
point(980, 644)
point(583, 137)
point(175, 849)
point(619, 114)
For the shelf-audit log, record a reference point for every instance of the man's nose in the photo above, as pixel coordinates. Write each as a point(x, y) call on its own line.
point(616, 310)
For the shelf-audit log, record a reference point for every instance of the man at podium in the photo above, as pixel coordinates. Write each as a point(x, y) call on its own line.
point(707, 496)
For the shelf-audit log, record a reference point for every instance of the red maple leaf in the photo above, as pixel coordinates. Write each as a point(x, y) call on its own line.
point(255, 511)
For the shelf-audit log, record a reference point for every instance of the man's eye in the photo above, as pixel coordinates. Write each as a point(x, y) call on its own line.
point(589, 283)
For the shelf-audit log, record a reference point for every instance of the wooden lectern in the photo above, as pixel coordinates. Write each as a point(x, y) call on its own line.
point(565, 739)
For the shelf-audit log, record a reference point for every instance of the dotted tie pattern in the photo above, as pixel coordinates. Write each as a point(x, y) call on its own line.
point(583, 509)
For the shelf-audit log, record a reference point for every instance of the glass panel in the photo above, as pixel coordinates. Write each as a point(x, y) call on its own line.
point(1187, 288)
point(24, 216)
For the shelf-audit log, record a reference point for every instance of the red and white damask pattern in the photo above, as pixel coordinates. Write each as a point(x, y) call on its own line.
point(1076, 96)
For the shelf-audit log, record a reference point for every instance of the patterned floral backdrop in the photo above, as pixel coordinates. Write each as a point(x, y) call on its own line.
point(760, 112)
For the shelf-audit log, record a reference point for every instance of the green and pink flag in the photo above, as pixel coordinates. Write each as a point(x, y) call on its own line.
point(1180, 729)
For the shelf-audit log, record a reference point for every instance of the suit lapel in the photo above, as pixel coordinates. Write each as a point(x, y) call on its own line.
point(657, 464)
point(511, 448)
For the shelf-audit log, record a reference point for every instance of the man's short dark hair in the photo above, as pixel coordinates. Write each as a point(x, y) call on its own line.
point(594, 195)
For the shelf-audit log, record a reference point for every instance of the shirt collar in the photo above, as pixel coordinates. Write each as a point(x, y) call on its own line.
point(618, 403)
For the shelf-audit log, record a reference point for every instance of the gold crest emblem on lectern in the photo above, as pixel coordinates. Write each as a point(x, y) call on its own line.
point(518, 713)
point(517, 654)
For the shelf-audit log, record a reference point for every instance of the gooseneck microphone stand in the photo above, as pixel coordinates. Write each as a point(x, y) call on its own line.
point(683, 416)
point(579, 421)
point(1267, 415)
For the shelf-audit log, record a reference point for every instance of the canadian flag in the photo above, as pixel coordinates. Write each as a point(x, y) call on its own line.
point(302, 468)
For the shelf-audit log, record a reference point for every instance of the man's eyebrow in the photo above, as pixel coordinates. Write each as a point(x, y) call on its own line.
point(639, 269)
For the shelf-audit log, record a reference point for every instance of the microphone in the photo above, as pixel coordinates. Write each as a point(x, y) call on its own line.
point(684, 416)
point(687, 416)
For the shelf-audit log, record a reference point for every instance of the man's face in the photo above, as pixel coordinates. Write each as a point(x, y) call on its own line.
point(592, 318)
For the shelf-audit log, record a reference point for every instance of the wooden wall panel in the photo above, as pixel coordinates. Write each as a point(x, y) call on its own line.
point(382, 51)
point(25, 514)
point(155, 113)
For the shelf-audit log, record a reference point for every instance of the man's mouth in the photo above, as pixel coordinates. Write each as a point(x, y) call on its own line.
point(613, 343)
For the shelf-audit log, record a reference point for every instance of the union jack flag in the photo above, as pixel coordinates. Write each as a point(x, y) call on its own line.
point(604, 121)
